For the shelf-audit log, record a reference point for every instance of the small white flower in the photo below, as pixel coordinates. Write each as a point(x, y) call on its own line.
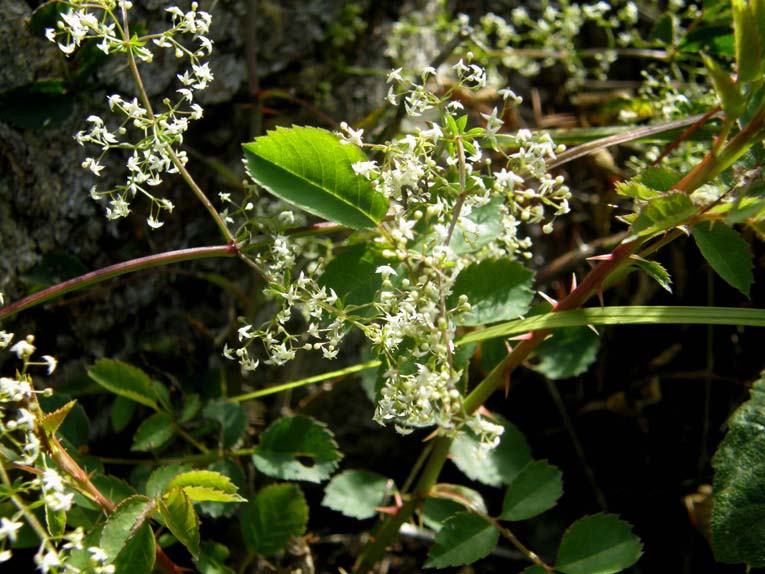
point(395, 76)
point(365, 168)
point(48, 561)
point(154, 223)
point(24, 348)
point(5, 555)
point(353, 137)
point(5, 339)
point(8, 529)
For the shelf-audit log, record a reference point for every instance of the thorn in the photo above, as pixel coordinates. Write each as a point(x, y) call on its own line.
point(397, 500)
point(524, 337)
point(507, 384)
point(431, 436)
point(573, 282)
point(593, 329)
point(600, 296)
point(549, 299)
point(604, 257)
point(389, 510)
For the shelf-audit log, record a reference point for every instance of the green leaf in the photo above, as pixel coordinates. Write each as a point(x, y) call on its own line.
point(568, 353)
point(138, 553)
point(212, 558)
point(352, 274)
point(658, 178)
point(231, 417)
point(202, 479)
point(663, 213)
point(496, 467)
point(478, 228)
point(748, 42)
point(121, 413)
point(738, 514)
point(655, 271)
point(311, 169)
point(356, 493)
point(636, 190)
point(123, 525)
point(728, 91)
point(727, 253)
point(50, 422)
point(124, 380)
point(297, 448)
point(55, 520)
point(158, 480)
point(208, 494)
point(497, 290)
point(536, 489)
point(467, 498)
point(436, 511)
point(463, 539)
point(154, 432)
point(663, 29)
point(181, 519)
point(598, 544)
point(630, 315)
point(228, 467)
point(278, 512)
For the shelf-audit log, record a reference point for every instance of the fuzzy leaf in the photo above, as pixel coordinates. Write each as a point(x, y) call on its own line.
point(497, 467)
point(311, 169)
point(568, 353)
point(278, 512)
point(463, 539)
point(356, 493)
point(498, 290)
point(534, 490)
point(181, 518)
point(124, 380)
point(297, 448)
point(738, 514)
point(598, 544)
point(154, 432)
point(663, 213)
point(727, 253)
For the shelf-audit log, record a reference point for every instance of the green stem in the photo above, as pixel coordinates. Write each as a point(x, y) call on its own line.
point(94, 277)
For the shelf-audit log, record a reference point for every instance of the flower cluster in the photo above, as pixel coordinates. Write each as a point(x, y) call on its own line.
point(151, 136)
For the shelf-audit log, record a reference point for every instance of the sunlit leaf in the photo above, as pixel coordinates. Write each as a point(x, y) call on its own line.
point(463, 539)
point(534, 490)
point(356, 493)
point(727, 253)
point(598, 544)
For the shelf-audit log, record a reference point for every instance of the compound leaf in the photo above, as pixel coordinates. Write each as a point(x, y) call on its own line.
point(311, 169)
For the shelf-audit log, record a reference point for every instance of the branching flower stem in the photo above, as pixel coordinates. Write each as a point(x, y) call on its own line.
point(710, 167)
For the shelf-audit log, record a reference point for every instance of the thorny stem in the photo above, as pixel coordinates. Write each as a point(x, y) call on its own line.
point(709, 168)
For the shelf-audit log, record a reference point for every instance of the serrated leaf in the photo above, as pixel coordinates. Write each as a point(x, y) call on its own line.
point(478, 228)
point(157, 482)
point(208, 494)
point(727, 253)
point(463, 539)
point(123, 524)
point(154, 432)
point(124, 380)
point(297, 448)
point(663, 213)
point(468, 498)
point(278, 512)
point(311, 169)
point(51, 421)
point(636, 190)
point(181, 519)
point(738, 514)
point(231, 417)
point(536, 489)
point(658, 178)
point(498, 290)
point(352, 274)
point(356, 493)
point(227, 467)
point(139, 552)
point(598, 544)
point(496, 467)
point(121, 412)
point(748, 42)
point(655, 271)
point(436, 511)
point(568, 353)
point(204, 479)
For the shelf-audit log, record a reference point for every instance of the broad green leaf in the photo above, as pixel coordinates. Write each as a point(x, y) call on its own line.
point(727, 253)
point(568, 353)
point(121, 412)
point(138, 553)
point(352, 274)
point(748, 42)
point(436, 511)
point(598, 544)
point(311, 169)
point(663, 213)
point(496, 467)
point(203, 479)
point(50, 422)
point(478, 228)
point(192, 405)
point(113, 488)
point(466, 497)
point(231, 417)
point(124, 380)
point(297, 448)
point(636, 190)
point(278, 512)
point(497, 290)
point(630, 315)
point(728, 91)
point(154, 432)
point(356, 493)
point(208, 494)
point(128, 518)
point(228, 467)
point(655, 271)
point(463, 539)
point(181, 519)
point(658, 178)
point(738, 514)
point(158, 480)
point(536, 489)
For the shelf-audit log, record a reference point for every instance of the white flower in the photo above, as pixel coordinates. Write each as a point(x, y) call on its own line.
point(8, 529)
point(24, 348)
point(365, 168)
point(395, 76)
point(154, 223)
point(5, 555)
point(5, 339)
point(353, 137)
point(48, 561)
